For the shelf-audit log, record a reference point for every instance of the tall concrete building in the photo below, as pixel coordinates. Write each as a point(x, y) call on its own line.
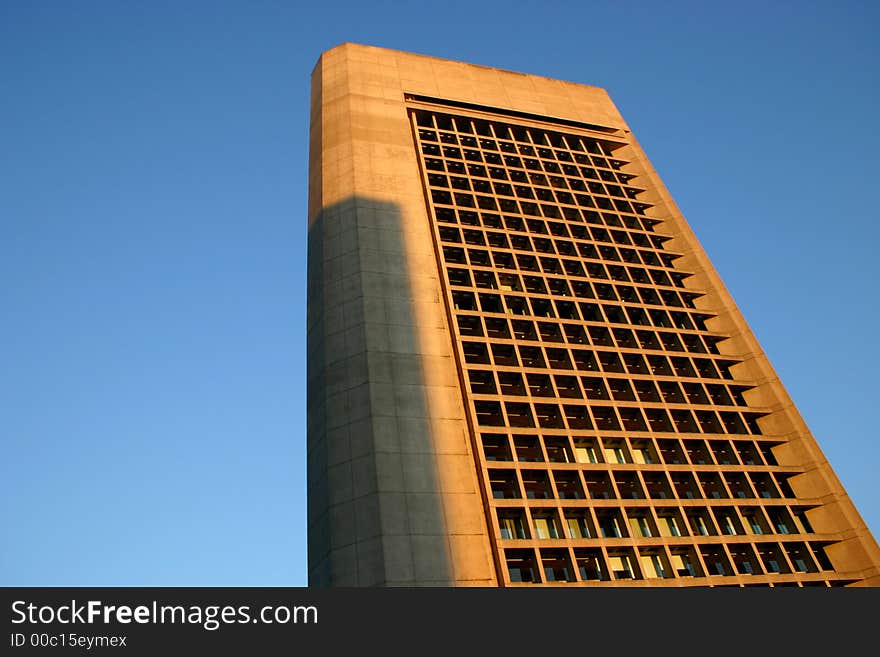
point(522, 367)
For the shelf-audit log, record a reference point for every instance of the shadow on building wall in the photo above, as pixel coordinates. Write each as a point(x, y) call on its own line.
point(375, 516)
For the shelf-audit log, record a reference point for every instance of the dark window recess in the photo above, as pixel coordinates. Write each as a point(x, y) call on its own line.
point(697, 452)
point(448, 234)
point(683, 366)
point(733, 422)
point(550, 332)
point(747, 452)
point(605, 418)
point(439, 196)
point(609, 520)
point(767, 452)
point(467, 217)
point(568, 485)
point(479, 257)
point(572, 268)
point(709, 422)
point(512, 524)
point(498, 240)
point(658, 420)
point(737, 393)
point(567, 387)
point(511, 384)
point(489, 413)
point(446, 215)
point(475, 353)
point(539, 385)
point(590, 312)
point(671, 392)
point(659, 366)
point(680, 320)
point(648, 340)
point(694, 345)
point(584, 360)
point(491, 303)
point(600, 336)
point(610, 362)
point(469, 325)
point(752, 422)
point(605, 292)
point(744, 560)
point(502, 260)
point(784, 486)
point(577, 417)
point(516, 305)
point(614, 314)
point(657, 485)
point(724, 368)
point(482, 382)
point(566, 310)
point(628, 485)
point(684, 421)
point(737, 483)
point(671, 452)
point(504, 354)
point(763, 484)
point(821, 558)
point(558, 359)
point(772, 558)
point(712, 486)
point(685, 486)
point(536, 484)
point(454, 255)
point(575, 334)
point(559, 287)
point(594, 388)
point(528, 449)
point(521, 565)
point(485, 279)
point(588, 251)
point(558, 450)
point(595, 270)
point(695, 393)
point(497, 328)
point(542, 308)
point(649, 296)
point(706, 368)
point(524, 330)
point(557, 566)
point(670, 342)
point(625, 338)
point(621, 390)
point(495, 446)
point(459, 277)
point(632, 419)
point(531, 357)
point(519, 414)
point(646, 390)
point(504, 484)
point(600, 488)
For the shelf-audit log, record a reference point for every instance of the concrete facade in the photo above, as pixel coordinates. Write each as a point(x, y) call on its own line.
point(401, 483)
point(393, 494)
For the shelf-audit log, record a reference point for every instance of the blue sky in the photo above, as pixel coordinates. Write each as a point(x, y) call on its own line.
point(153, 164)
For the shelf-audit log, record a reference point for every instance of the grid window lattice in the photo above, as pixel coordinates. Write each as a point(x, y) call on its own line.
point(613, 440)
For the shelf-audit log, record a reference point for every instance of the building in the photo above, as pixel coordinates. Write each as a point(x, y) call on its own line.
point(522, 367)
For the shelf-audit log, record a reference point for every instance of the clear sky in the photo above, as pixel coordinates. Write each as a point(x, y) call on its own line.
point(153, 166)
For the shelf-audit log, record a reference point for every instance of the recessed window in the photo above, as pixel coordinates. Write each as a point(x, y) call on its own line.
point(512, 525)
point(521, 565)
